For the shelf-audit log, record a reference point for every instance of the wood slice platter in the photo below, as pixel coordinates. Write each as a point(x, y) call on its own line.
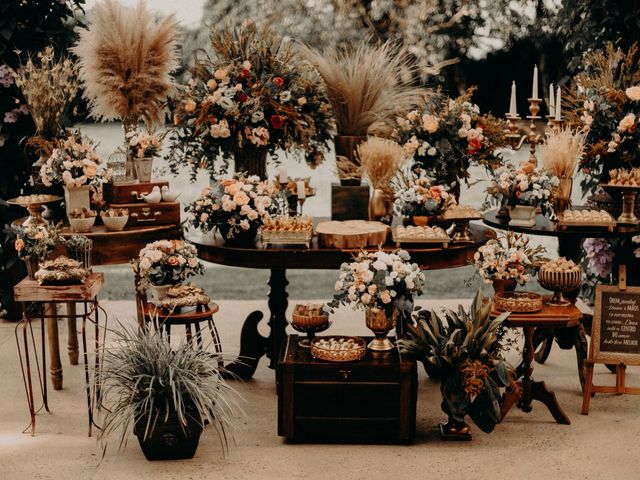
point(351, 234)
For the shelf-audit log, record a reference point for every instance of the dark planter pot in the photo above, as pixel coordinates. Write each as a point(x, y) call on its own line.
point(346, 147)
point(245, 239)
point(253, 162)
point(169, 440)
point(502, 285)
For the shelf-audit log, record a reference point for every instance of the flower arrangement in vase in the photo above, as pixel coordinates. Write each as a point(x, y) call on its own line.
point(449, 135)
point(523, 190)
point(418, 198)
point(383, 284)
point(34, 243)
point(507, 260)
point(165, 263)
point(255, 97)
point(604, 102)
point(142, 148)
point(236, 207)
point(73, 163)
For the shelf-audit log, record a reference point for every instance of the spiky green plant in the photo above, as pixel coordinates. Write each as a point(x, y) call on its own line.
point(464, 348)
point(144, 379)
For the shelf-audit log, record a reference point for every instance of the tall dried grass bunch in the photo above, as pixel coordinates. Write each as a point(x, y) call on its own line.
point(380, 159)
point(367, 85)
point(49, 85)
point(562, 152)
point(126, 59)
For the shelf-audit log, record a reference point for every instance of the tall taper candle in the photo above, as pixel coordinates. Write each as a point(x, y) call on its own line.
point(513, 110)
point(300, 189)
point(552, 102)
point(282, 174)
point(534, 91)
point(558, 104)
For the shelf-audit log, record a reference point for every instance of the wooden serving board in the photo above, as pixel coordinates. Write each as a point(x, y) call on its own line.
point(350, 234)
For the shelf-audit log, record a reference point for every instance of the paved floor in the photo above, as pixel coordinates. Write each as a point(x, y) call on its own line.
point(602, 445)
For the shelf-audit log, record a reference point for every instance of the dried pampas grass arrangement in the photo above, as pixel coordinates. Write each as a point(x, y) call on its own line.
point(562, 152)
point(380, 161)
point(126, 58)
point(366, 85)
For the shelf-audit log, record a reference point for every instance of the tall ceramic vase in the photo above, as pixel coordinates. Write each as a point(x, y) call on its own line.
point(143, 168)
point(77, 198)
point(380, 324)
point(346, 148)
point(251, 161)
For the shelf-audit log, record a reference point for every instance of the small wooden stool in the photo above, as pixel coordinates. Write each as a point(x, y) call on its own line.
point(30, 293)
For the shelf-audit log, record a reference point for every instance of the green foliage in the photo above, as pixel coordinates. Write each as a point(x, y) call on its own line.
point(464, 348)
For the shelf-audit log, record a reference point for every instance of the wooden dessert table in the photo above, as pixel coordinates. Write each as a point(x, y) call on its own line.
point(529, 390)
point(253, 345)
point(30, 293)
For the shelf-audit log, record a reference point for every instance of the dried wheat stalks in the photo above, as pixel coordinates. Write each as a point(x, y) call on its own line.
point(126, 58)
point(49, 86)
point(366, 85)
point(562, 152)
point(380, 159)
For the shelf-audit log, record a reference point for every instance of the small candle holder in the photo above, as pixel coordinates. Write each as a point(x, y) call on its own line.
point(301, 203)
point(628, 216)
point(461, 232)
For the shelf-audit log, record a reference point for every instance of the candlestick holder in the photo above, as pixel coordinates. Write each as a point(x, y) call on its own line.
point(301, 202)
point(532, 137)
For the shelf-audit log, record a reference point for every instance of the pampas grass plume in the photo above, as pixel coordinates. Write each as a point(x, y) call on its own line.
point(562, 151)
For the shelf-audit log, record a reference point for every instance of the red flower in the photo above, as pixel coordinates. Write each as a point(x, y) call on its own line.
point(277, 121)
point(244, 73)
point(243, 97)
point(279, 81)
point(474, 146)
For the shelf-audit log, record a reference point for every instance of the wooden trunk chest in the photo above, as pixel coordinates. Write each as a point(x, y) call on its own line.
point(151, 214)
point(371, 400)
point(128, 192)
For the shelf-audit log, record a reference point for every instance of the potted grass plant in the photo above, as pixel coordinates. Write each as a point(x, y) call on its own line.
point(464, 349)
point(166, 395)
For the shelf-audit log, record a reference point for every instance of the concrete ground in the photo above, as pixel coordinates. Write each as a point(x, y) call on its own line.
point(602, 445)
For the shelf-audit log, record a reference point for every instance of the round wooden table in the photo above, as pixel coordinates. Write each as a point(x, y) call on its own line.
point(278, 259)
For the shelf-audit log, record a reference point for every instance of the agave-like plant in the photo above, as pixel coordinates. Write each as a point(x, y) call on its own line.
point(144, 380)
point(464, 348)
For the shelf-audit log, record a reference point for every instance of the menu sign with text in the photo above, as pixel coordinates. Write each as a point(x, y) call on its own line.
point(620, 323)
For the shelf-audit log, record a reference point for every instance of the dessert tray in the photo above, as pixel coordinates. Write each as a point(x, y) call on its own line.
point(436, 236)
point(285, 230)
point(61, 271)
point(338, 349)
point(461, 212)
point(518, 302)
point(586, 218)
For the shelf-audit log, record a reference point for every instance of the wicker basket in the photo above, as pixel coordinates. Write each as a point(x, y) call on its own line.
point(309, 321)
point(518, 302)
point(339, 355)
point(284, 237)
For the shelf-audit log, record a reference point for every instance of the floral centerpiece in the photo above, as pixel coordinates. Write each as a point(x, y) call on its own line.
point(605, 103)
point(34, 243)
point(256, 96)
point(142, 148)
point(507, 259)
point(236, 207)
point(383, 284)
point(165, 263)
point(449, 135)
point(417, 196)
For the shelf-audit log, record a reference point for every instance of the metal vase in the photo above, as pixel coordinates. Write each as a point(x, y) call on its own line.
point(380, 206)
point(143, 168)
point(82, 254)
point(562, 195)
point(33, 264)
point(380, 324)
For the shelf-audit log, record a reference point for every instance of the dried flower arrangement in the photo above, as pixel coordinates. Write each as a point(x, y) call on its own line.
point(49, 86)
point(604, 102)
point(380, 160)
point(448, 135)
point(126, 58)
point(254, 96)
point(562, 152)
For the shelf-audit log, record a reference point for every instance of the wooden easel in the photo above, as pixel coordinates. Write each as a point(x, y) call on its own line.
point(620, 360)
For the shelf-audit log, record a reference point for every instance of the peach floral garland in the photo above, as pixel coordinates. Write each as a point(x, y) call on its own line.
point(167, 262)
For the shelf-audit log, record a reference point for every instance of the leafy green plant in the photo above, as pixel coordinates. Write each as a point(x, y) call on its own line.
point(464, 348)
point(143, 380)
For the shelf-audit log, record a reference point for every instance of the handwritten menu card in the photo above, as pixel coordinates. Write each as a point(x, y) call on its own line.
point(619, 322)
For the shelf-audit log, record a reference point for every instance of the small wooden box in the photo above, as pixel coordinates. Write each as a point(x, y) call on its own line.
point(128, 192)
point(371, 400)
point(349, 202)
point(149, 214)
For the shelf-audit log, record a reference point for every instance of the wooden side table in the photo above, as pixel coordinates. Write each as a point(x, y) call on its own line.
point(529, 389)
point(31, 294)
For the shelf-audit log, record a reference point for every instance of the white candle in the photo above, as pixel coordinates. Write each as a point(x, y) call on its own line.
point(534, 91)
point(513, 111)
point(558, 104)
point(552, 103)
point(300, 190)
point(282, 174)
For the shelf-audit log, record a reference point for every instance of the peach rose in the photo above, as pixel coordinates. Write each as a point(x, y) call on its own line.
point(19, 245)
point(430, 123)
point(241, 198)
point(633, 93)
point(627, 122)
point(385, 296)
point(190, 106)
point(173, 261)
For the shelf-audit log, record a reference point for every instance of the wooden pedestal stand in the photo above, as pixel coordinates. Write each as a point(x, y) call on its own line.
point(615, 336)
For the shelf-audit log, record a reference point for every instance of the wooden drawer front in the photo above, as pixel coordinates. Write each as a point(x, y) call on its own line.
point(128, 192)
point(347, 372)
point(361, 430)
point(141, 214)
point(346, 400)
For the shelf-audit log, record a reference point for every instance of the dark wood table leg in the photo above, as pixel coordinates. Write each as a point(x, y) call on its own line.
point(72, 333)
point(278, 304)
point(582, 352)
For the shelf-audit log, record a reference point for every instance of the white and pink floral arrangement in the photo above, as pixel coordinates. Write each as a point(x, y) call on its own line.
point(509, 256)
point(167, 262)
point(73, 163)
point(234, 206)
point(143, 144)
point(386, 280)
point(416, 195)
